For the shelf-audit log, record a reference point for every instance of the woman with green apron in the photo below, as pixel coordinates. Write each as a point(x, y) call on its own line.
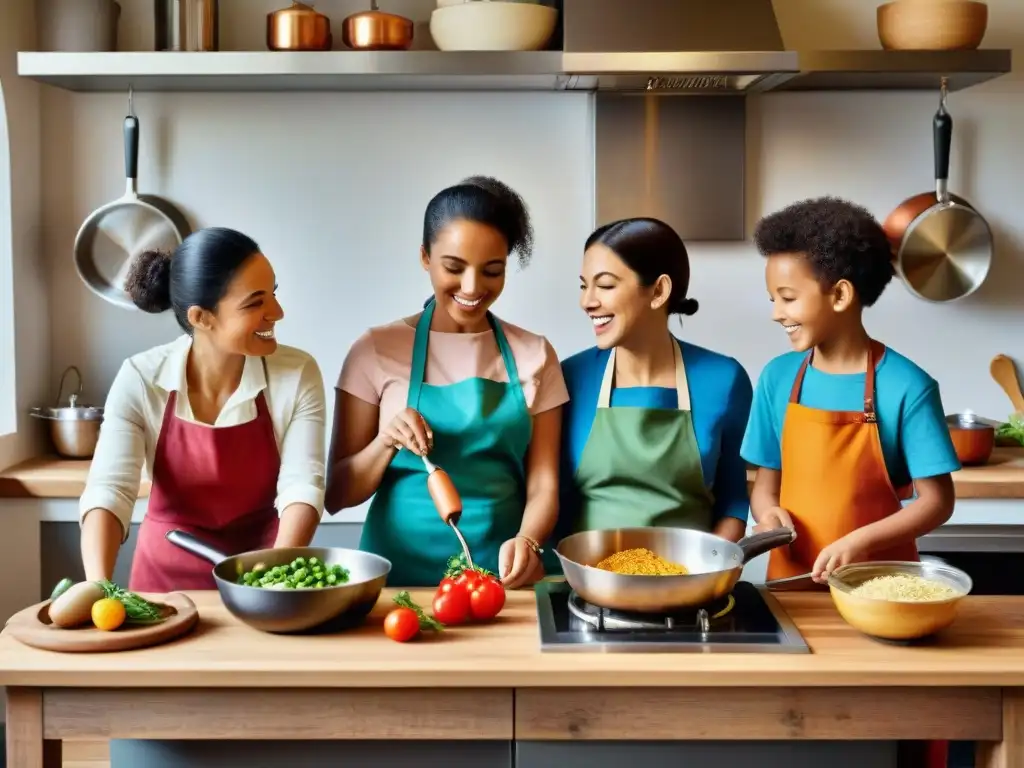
point(654, 424)
point(481, 397)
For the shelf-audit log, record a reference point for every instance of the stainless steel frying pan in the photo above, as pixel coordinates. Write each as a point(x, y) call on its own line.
point(714, 566)
point(293, 610)
point(115, 234)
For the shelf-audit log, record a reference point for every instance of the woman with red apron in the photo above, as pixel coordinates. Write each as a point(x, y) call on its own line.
point(229, 424)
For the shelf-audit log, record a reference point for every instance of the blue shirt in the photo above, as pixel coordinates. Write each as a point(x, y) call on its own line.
point(911, 421)
point(720, 397)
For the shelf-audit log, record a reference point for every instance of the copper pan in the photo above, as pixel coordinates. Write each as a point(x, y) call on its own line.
point(374, 30)
point(941, 245)
point(298, 28)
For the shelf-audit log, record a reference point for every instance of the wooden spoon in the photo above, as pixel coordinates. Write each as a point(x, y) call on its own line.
point(1005, 374)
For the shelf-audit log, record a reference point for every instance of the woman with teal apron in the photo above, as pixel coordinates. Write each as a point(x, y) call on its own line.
point(654, 424)
point(480, 396)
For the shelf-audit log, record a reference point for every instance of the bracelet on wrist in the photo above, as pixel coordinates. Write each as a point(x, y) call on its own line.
point(531, 542)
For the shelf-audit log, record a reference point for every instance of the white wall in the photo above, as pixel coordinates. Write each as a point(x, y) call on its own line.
point(20, 200)
point(333, 187)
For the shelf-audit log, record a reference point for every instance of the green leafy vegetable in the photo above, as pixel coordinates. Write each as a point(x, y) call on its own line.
point(457, 564)
point(404, 599)
point(1012, 432)
point(137, 609)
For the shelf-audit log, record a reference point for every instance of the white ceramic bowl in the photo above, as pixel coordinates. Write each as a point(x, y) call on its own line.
point(488, 25)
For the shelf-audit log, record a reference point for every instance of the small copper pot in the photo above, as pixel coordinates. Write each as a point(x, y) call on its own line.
point(298, 28)
point(374, 30)
point(973, 438)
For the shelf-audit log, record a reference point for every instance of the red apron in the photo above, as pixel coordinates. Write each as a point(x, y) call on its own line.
point(219, 484)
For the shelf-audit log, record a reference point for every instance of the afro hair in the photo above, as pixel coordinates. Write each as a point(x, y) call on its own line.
point(839, 239)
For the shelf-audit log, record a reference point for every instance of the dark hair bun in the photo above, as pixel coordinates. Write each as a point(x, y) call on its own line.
point(149, 281)
point(685, 306)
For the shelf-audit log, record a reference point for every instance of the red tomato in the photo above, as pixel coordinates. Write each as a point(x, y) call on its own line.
point(469, 578)
point(402, 624)
point(446, 584)
point(451, 605)
point(486, 599)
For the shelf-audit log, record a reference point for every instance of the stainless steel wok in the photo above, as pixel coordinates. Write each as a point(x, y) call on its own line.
point(293, 610)
point(714, 566)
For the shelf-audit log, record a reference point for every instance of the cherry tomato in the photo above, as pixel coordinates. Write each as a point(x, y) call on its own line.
point(402, 624)
point(486, 599)
point(451, 606)
point(469, 578)
point(446, 584)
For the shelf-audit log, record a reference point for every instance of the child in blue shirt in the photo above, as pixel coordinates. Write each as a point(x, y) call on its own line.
point(838, 451)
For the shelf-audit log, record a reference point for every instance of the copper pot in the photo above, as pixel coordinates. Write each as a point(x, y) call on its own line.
point(374, 30)
point(298, 28)
point(973, 437)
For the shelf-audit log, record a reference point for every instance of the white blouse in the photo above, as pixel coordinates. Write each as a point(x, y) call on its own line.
point(133, 415)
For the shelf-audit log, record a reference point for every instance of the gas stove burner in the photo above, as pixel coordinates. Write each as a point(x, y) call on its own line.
point(749, 620)
point(592, 617)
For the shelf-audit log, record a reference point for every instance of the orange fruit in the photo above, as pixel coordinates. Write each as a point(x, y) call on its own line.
point(108, 614)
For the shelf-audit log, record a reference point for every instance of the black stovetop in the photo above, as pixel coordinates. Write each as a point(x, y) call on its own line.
point(749, 621)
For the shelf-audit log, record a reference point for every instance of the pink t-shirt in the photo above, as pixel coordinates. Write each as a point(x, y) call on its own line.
point(378, 365)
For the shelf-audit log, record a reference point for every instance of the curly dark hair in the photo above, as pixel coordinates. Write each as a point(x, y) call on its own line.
point(839, 239)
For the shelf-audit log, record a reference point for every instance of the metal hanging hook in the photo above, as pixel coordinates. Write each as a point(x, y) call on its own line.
point(131, 102)
point(943, 93)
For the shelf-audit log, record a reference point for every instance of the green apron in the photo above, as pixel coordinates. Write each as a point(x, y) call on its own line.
point(482, 431)
point(640, 466)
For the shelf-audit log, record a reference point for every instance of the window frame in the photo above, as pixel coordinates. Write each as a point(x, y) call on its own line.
point(8, 352)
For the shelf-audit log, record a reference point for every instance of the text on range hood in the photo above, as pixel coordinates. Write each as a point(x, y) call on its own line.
point(735, 47)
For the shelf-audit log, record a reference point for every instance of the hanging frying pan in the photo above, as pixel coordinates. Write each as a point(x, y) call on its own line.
point(114, 235)
point(943, 246)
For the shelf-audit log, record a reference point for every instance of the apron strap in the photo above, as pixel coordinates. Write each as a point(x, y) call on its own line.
point(604, 398)
point(418, 370)
point(875, 351)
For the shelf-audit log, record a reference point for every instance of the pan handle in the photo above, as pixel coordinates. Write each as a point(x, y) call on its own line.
point(942, 135)
point(190, 543)
point(131, 148)
point(759, 543)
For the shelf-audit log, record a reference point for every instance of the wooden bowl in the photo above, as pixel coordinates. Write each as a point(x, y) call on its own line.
point(932, 25)
point(889, 619)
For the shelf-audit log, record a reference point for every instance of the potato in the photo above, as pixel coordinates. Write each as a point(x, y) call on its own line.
point(74, 607)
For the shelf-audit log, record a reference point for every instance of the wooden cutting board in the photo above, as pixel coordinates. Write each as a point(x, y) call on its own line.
point(32, 627)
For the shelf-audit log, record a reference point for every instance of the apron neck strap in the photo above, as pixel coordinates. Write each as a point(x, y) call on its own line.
point(875, 351)
point(418, 370)
point(604, 398)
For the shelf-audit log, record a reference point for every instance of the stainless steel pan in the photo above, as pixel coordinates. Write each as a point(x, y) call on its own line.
point(115, 234)
point(714, 566)
point(293, 610)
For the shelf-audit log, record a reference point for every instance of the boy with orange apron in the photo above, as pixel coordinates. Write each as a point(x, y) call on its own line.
point(843, 430)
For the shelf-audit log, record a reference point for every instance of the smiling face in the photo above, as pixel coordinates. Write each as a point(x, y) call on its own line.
point(467, 263)
point(618, 304)
point(809, 312)
point(244, 320)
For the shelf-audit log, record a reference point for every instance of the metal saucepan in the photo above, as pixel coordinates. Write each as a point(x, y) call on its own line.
point(293, 610)
point(74, 428)
point(374, 30)
point(714, 566)
point(112, 236)
point(942, 245)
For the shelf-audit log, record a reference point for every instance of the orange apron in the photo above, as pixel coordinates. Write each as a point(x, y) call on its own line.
point(834, 478)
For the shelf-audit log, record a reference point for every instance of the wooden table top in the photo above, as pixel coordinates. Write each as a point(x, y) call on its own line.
point(55, 478)
point(985, 647)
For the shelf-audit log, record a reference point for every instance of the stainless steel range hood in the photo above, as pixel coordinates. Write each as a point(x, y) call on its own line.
point(735, 47)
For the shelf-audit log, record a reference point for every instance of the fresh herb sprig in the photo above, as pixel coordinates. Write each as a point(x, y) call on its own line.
point(404, 599)
point(1012, 430)
point(137, 609)
point(456, 564)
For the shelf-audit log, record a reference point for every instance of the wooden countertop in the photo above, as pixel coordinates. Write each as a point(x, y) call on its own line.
point(52, 477)
point(985, 648)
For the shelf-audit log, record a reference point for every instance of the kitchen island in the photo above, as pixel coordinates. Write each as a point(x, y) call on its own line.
point(493, 684)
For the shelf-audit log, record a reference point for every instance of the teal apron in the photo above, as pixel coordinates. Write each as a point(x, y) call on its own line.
point(482, 431)
point(640, 466)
